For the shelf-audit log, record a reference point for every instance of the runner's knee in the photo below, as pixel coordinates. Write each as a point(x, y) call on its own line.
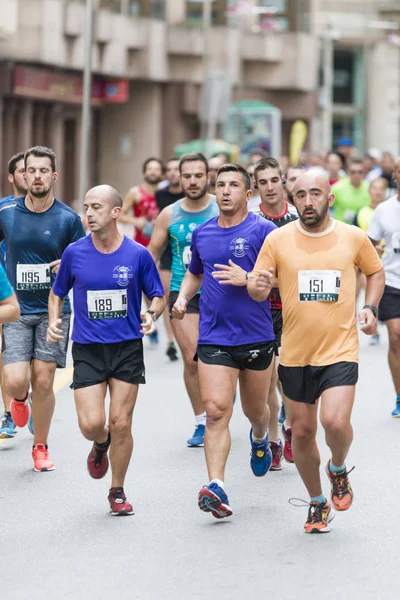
point(120, 424)
point(91, 426)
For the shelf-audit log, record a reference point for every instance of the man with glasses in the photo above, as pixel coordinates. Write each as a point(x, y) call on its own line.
point(351, 193)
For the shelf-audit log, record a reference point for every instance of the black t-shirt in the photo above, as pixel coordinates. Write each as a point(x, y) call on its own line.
point(164, 198)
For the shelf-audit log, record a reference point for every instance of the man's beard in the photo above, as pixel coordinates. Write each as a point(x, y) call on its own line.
point(39, 194)
point(154, 180)
point(316, 219)
point(196, 194)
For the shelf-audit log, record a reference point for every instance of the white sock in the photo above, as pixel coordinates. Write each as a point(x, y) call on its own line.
point(259, 440)
point(201, 419)
point(218, 482)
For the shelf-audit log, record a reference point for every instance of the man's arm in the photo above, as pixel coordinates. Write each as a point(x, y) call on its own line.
point(373, 294)
point(190, 286)
point(54, 331)
point(9, 309)
point(159, 238)
point(157, 306)
point(126, 216)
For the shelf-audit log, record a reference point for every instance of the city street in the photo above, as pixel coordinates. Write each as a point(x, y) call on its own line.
point(58, 540)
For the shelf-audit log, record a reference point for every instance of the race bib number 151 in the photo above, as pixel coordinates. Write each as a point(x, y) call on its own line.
point(319, 286)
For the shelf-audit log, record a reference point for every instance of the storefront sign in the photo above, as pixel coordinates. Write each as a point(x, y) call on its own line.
point(44, 84)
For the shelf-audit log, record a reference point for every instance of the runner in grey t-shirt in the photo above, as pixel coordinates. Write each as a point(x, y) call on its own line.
point(385, 225)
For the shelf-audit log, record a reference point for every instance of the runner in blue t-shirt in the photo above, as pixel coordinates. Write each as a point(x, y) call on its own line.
point(16, 171)
point(108, 273)
point(175, 225)
point(36, 228)
point(236, 338)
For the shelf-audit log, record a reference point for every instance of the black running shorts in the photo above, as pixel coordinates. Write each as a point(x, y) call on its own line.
point(277, 322)
point(255, 357)
point(193, 306)
point(306, 384)
point(389, 306)
point(96, 363)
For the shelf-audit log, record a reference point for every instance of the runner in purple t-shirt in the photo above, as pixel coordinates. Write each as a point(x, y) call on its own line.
point(236, 337)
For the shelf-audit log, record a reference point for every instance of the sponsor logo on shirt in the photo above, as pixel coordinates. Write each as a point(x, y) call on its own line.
point(239, 246)
point(47, 232)
point(122, 275)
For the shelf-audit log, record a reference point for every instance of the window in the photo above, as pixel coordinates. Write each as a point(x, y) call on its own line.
point(112, 5)
point(194, 12)
point(147, 8)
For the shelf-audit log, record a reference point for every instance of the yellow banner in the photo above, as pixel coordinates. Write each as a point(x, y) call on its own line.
point(298, 136)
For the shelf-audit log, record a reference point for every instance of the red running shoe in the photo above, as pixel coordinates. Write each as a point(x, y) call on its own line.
point(41, 460)
point(287, 448)
point(97, 461)
point(20, 411)
point(277, 451)
point(119, 506)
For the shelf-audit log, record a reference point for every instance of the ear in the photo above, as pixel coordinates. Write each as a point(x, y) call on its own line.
point(283, 181)
point(10, 178)
point(55, 177)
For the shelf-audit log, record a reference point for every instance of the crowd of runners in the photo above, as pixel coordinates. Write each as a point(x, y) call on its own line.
point(257, 273)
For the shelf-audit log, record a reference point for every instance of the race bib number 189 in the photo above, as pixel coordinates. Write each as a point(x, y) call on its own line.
point(107, 304)
point(319, 286)
point(33, 277)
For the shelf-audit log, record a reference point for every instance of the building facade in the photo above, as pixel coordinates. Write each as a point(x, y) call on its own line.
point(149, 61)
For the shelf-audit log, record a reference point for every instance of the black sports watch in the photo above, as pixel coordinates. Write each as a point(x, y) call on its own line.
point(374, 309)
point(153, 314)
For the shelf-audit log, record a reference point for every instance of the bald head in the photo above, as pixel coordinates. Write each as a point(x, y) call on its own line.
point(312, 180)
point(106, 193)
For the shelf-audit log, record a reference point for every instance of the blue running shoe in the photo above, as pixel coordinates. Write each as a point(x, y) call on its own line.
point(261, 456)
point(213, 499)
point(197, 439)
point(7, 426)
point(282, 415)
point(396, 411)
point(153, 337)
point(30, 422)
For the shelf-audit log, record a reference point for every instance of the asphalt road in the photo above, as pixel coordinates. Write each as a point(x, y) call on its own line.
point(58, 541)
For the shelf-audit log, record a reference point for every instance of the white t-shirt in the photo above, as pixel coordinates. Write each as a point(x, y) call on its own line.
point(385, 225)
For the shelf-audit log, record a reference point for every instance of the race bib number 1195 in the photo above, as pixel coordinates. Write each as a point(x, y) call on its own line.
point(33, 277)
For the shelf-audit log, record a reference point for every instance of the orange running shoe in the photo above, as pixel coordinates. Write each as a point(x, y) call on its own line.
point(319, 517)
point(341, 492)
point(20, 411)
point(41, 461)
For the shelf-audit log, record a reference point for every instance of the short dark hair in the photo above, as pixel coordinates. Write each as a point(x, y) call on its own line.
point(267, 163)
point(191, 157)
point(356, 161)
point(151, 159)
point(173, 159)
point(232, 167)
point(14, 160)
point(40, 152)
point(338, 154)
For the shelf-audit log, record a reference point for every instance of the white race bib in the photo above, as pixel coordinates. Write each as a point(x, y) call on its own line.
point(396, 242)
point(187, 256)
point(33, 277)
point(107, 304)
point(319, 286)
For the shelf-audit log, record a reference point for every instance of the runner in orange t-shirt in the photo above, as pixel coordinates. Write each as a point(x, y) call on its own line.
point(314, 260)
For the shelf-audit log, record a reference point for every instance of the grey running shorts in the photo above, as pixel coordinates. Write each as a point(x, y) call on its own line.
point(25, 340)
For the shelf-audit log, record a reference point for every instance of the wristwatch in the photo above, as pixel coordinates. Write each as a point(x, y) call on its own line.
point(153, 314)
point(374, 309)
